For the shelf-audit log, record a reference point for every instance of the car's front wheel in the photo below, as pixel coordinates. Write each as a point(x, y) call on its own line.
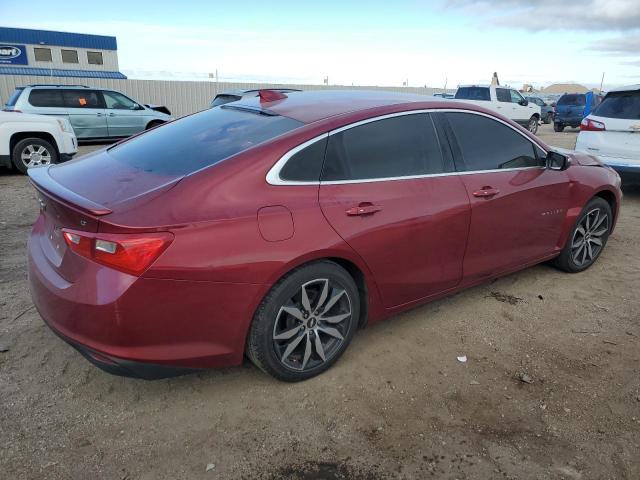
point(558, 127)
point(588, 237)
point(533, 124)
point(33, 152)
point(305, 322)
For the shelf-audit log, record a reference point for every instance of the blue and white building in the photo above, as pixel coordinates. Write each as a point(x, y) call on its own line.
point(58, 54)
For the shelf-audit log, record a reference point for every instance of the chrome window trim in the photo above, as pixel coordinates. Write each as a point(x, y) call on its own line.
point(273, 175)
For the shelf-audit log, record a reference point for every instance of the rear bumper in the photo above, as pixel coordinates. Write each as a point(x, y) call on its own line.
point(142, 327)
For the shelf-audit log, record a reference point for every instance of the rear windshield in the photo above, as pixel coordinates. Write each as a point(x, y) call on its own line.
point(623, 105)
point(200, 140)
point(572, 99)
point(14, 97)
point(473, 93)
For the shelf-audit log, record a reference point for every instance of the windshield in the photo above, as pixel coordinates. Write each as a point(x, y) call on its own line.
point(473, 93)
point(572, 99)
point(622, 105)
point(200, 140)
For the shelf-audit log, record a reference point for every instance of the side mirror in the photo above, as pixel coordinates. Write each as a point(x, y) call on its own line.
point(524, 103)
point(557, 161)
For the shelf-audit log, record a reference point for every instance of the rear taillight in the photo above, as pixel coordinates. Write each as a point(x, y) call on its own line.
point(130, 253)
point(589, 125)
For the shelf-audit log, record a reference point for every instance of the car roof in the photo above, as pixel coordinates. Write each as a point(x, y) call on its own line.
point(628, 88)
point(311, 106)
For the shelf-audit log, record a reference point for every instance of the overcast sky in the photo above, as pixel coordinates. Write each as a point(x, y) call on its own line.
point(361, 42)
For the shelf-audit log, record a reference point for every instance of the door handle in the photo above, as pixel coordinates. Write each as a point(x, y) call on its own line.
point(99, 114)
point(365, 208)
point(486, 192)
point(112, 114)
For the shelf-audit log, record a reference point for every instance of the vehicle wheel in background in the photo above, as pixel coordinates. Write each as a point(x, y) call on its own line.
point(532, 126)
point(153, 124)
point(549, 118)
point(33, 152)
point(305, 322)
point(588, 237)
point(558, 127)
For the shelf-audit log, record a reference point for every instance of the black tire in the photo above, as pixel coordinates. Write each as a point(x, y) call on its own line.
point(271, 320)
point(532, 126)
point(41, 152)
point(572, 259)
point(548, 119)
point(558, 127)
point(153, 124)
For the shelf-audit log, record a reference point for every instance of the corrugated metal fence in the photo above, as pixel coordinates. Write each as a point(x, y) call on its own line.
point(181, 97)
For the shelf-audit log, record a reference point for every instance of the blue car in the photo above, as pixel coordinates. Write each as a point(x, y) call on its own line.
point(573, 107)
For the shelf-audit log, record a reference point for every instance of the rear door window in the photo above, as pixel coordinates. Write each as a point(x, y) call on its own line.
point(305, 165)
point(200, 140)
point(621, 105)
point(401, 146)
point(82, 99)
point(503, 95)
point(487, 144)
point(42, 97)
point(473, 93)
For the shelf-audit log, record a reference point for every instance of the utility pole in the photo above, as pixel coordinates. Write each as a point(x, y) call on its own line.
point(601, 82)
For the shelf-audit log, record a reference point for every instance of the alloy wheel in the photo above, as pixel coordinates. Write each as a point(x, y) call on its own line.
point(311, 327)
point(35, 155)
point(533, 125)
point(588, 237)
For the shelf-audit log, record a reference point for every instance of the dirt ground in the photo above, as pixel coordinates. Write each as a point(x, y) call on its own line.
point(397, 405)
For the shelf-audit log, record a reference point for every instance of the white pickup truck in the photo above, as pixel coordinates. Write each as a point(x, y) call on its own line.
point(30, 140)
point(504, 100)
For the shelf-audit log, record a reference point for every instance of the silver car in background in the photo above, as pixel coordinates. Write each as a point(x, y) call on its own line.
point(94, 113)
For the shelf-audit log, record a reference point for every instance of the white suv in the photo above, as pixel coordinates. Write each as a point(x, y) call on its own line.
point(612, 132)
point(504, 100)
point(30, 140)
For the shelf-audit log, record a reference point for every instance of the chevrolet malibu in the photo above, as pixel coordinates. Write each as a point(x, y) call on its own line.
point(277, 226)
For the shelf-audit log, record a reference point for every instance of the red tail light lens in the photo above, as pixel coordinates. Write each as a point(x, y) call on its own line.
point(130, 253)
point(589, 125)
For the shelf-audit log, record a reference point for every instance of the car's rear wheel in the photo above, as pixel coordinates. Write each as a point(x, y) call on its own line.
point(558, 127)
point(588, 237)
point(549, 118)
point(305, 322)
point(33, 152)
point(533, 124)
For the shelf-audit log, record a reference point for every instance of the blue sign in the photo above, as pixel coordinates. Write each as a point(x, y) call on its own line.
point(13, 55)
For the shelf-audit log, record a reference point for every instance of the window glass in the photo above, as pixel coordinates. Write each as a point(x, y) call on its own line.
point(221, 99)
point(305, 165)
point(94, 58)
point(70, 56)
point(473, 93)
point(394, 147)
point(578, 99)
point(622, 105)
point(42, 54)
point(503, 95)
point(117, 101)
point(515, 96)
point(45, 98)
point(200, 140)
point(81, 99)
point(487, 144)
point(14, 97)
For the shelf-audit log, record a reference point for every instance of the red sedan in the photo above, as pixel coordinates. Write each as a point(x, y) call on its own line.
point(278, 225)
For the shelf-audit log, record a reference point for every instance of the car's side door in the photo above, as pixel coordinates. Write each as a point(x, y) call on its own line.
point(521, 113)
point(518, 206)
point(390, 192)
point(86, 112)
point(124, 116)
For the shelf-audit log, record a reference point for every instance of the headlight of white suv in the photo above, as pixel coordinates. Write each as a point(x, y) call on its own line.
point(65, 126)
